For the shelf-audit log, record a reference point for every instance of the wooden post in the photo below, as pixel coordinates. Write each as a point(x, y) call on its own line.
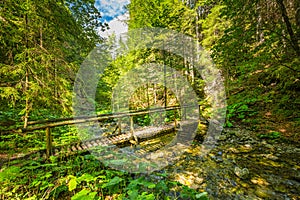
point(135, 141)
point(175, 121)
point(199, 110)
point(119, 125)
point(48, 142)
point(131, 125)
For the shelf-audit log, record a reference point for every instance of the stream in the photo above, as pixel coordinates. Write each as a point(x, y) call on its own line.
point(242, 166)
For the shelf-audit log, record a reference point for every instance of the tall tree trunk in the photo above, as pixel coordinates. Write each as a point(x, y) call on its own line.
point(165, 87)
point(297, 16)
point(147, 95)
point(27, 109)
point(154, 94)
point(26, 116)
point(288, 25)
point(259, 32)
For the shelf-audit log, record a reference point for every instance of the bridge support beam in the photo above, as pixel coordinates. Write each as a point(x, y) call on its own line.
point(119, 126)
point(48, 142)
point(132, 135)
point(175, 121)
point(131, 124)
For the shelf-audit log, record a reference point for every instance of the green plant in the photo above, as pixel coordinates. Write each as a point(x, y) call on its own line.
point(271, 135)
point(239, 111)
point(84, 177)
point(142, 120)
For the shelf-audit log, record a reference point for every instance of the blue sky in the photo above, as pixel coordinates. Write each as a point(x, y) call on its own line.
point(111, 9)
point(114, 13)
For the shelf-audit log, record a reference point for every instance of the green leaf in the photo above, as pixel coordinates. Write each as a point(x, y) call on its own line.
point(10, 173)
point(202, 196)
point(133, 194)
point(161, 185)
point(84, 195)
point(72, 184)
point(148, 184)
point(112, 182)
point(86, 177)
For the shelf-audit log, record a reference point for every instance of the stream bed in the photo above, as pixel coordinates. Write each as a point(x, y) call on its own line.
point(242, 166)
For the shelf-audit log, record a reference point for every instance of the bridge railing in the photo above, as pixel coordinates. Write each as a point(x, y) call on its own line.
point(47, 125)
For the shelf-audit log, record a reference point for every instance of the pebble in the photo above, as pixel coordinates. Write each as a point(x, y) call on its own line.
point(222, 137)
point(264, 193)
point(269, 146)
point(241, 173)
point(233, 183)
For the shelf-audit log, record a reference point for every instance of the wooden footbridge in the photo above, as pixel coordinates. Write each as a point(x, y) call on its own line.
point(120, 136)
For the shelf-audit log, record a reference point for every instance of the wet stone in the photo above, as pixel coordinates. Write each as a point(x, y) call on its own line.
point(241, 173)
point(264, 193)
point(222, 137)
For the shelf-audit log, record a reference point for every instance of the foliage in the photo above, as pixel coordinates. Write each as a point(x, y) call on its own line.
point(239, 111)
point(258, 52)
point(84, 177)
point(270, 135)
point(42, 43)
point(254, 43)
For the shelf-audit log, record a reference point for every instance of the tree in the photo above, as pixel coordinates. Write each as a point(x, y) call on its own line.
point(259, 50)
point(42, 43)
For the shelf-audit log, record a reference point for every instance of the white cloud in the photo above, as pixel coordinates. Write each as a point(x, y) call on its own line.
point(111, 8)
point(118, 25)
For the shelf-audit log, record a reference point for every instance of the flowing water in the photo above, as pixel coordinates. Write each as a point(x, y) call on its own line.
point(242, 166)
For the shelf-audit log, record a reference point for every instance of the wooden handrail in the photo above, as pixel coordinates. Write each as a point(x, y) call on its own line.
point(102, 117)
point(86, 117)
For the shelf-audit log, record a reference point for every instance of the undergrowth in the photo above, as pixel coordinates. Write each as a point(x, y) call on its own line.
point(84, 177)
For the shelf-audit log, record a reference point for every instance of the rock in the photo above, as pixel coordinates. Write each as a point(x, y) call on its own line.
point(264, 193)
point(222, 137)
point(212, 156)
point(241, 173)
point(271, 157)
point(269, 146)
point(280, 188)
point(199, 180)
point(218, 159)
point(233, 183)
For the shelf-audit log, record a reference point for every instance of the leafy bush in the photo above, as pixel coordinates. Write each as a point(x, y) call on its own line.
point(271, 135)
point(84, 177)
point(239, 111)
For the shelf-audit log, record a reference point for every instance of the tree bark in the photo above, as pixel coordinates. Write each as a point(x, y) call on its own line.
point(259, 32)
point(297, 14)
point(26, 116)
point(289, 28)
point(27, 100)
